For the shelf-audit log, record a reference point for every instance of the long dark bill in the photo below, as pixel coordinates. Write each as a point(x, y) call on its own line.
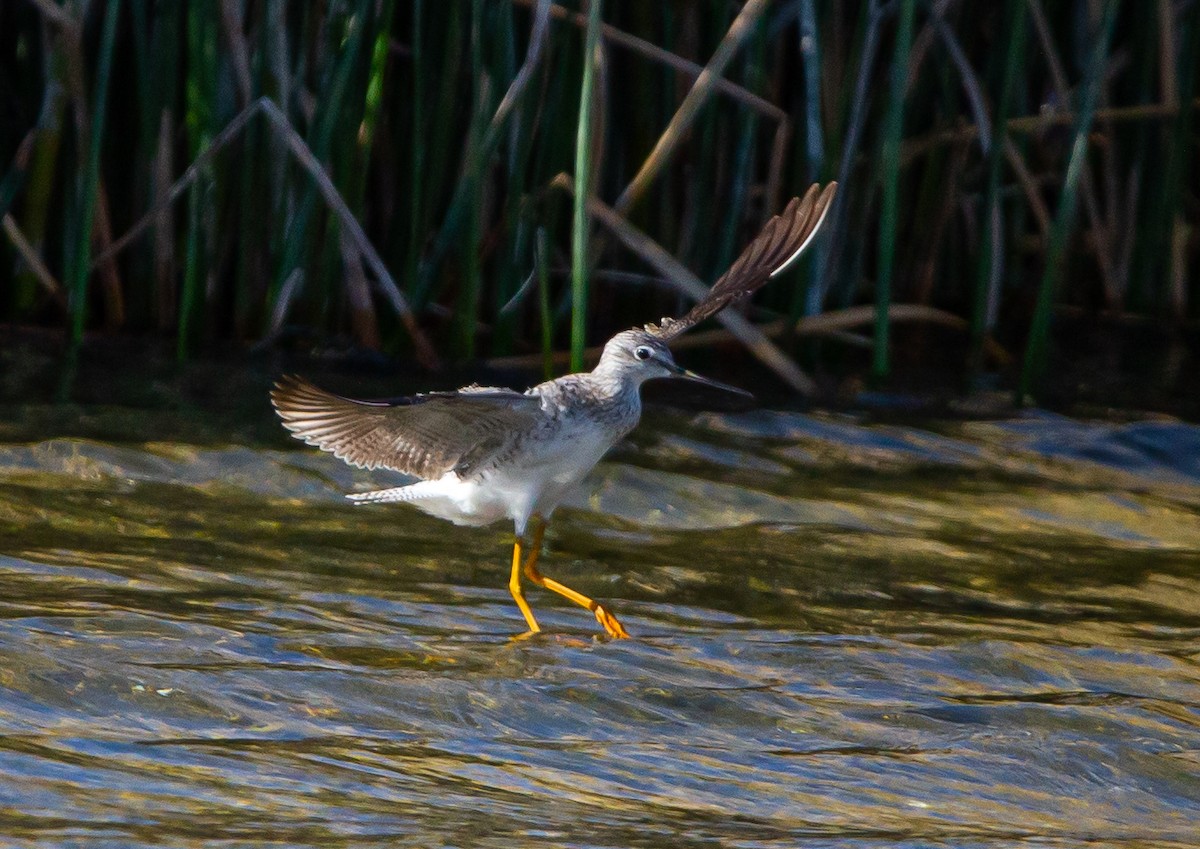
point(708, 382)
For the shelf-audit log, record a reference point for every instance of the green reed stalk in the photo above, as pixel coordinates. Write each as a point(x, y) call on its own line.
point(417, 133)
point(1148, 145)
point(704, 227)
point(10, 184)
point(159, 69)
point(890, 167)
point(810, 55)
point(985, 278)
point(200, 91)
point(660, 104)
point(554, 137)
point(445, 180)
point(483, 141)
point(253, 205)
point(1180, 155)
point(374, 91)
point(1036, 347)
point(583, 183)
point(471, 191)
point(89, 186)
point(355, 162)
point(331, 103)
point(814, 140)
point(515, 248)
point(846, 138)
point(744, 155)
point(42, 168)
point(191, 272)
point(542, 267)
point(1162, 155)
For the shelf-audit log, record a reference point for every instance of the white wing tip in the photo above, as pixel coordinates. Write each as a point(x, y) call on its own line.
point(787, 263)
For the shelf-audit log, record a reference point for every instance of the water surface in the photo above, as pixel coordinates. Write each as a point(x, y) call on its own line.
point(966, 634)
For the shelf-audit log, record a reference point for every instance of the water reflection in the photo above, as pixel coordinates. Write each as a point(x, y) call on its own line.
point(980, 634)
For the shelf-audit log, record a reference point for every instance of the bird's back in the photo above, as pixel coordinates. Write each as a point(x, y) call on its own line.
point(581, 418)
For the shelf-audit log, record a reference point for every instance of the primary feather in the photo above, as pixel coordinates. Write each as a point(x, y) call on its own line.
point(784, 238)
point(425, 435)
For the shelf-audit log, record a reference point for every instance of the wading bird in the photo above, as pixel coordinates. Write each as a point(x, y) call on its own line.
point(485, 454)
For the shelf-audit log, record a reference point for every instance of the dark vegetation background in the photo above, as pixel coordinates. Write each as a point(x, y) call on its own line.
point(1018, 199)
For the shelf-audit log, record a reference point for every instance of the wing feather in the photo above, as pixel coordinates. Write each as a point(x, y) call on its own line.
point(784, 238)
point(425, 435)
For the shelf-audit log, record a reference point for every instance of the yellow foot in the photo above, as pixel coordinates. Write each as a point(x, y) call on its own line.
point(610, 624)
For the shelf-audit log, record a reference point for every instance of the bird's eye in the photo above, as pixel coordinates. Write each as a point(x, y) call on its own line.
point(642, 352)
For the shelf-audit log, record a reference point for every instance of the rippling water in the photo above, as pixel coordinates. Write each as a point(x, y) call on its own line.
point(980, 634)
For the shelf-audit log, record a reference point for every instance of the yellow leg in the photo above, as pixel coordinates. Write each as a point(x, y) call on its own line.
point(514, 587)
point(606, 619)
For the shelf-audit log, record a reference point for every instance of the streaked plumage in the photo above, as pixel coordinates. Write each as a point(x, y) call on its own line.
point(486, 453)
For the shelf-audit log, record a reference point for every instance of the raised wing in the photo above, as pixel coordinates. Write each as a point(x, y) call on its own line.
point(772, 252)
point(425, 435)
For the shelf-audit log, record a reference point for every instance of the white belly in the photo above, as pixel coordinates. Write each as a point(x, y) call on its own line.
point(535, 484)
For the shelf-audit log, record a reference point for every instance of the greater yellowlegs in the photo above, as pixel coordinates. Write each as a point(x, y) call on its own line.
point(485, 454)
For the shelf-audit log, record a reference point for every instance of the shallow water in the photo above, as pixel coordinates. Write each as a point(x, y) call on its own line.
point(967, 634)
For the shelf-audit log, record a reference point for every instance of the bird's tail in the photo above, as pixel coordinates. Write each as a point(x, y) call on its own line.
point(382, 496)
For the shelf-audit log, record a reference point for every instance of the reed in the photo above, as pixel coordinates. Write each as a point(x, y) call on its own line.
point(422, 141)
point(890, 167)
point(990, 261)
point(79, 257)
point(1036, 346)
point(542, 269)
point(200, 90)
point(583, 183)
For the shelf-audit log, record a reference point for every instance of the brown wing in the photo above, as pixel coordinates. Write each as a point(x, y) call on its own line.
point(425, 435)
point(779, 244)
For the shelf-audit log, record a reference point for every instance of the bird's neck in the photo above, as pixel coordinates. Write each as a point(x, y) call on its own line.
point(614, 381)
point(614, 398)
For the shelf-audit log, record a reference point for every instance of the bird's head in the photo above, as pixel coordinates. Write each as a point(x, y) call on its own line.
point(637, 355)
